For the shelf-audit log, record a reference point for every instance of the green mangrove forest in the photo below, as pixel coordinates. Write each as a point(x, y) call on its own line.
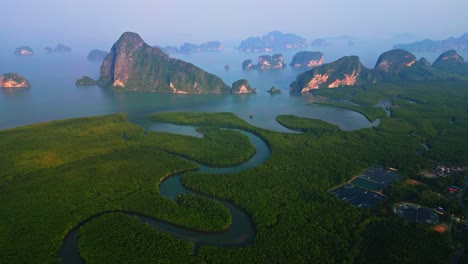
point(58, 174)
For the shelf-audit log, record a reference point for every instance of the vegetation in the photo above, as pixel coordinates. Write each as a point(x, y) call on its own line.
point(119, 238)
point(219, 148)
point(315, 126)
point(58, 174)
point(370, 112)
point(153, 71)
point(242, 86)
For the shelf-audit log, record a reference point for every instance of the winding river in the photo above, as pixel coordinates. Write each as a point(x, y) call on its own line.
point(240, 233)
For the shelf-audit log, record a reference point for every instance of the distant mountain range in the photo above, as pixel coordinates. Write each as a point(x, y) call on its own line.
point(273, 41)
point(192, 48)
point(460, 44)
point(393, 65)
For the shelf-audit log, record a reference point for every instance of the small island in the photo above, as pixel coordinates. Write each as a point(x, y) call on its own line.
point(60, 48)
point(97, 55)
point(242, 86)
point(13, 80)
point(304, 59)
point(274, 90)
point(85, 81)
point(24, 51)
point(265, 62)
point(319, 43)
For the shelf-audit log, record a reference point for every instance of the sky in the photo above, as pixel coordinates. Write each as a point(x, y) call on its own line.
point(99, 23)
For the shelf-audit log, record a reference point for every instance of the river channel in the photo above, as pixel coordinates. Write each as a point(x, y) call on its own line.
point(240, 233)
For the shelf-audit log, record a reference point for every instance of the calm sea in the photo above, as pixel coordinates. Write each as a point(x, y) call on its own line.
point(53, 94)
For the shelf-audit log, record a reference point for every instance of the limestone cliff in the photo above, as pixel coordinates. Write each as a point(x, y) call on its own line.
point(393, 65)
point(242, 87)
point(265, 62)
point(346, 71)
point(392, 62)
point(271, 62)
point(13, 80)
point(451, 62)
point(304, 59)
point(132, 65)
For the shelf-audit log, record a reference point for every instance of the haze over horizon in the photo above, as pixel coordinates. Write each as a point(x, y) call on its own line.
point(100, 23)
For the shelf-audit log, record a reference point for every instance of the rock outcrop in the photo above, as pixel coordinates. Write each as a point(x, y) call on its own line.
point(13, 80)
point(451, 62)
point(392, 62)
point(24, 51)
point(460, 43)
point(346, 71)
point(242, 87)
point(271, 62)
point(265, 62)
point(248, 64)
point(304, 59)
point(273, 41)
point(97, 55)
point(133, 65)
point(274, 90)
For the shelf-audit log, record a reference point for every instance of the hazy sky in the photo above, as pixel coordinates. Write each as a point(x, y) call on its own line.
point(100, 22)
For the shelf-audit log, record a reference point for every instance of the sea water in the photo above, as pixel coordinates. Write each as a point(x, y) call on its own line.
point(53, 94)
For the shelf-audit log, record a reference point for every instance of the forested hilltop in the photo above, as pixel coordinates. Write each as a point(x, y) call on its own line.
point(55, 175)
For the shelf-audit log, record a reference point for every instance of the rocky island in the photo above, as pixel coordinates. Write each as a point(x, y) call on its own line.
point(427, 45)
point(13, 80)
point(60, 48)
point(242, 87)
point(305, 59)
point(393, 65)
point(265, 62)
point(133, 65)
point(319, 43)
point(274, 90)
point(273, 41)
point(97, 55)
point(24, 51)
point(451, 62)
point(85, 81)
